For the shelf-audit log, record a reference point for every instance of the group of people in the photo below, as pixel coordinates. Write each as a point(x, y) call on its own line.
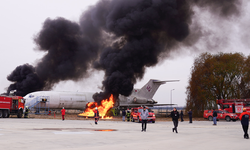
point(190, 114)
point(124, 114)
point(244, 117)
point(96, 114)
point(144, 116)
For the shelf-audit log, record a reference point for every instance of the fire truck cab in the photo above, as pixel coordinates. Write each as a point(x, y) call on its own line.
point(136, 114)
point(11, 105)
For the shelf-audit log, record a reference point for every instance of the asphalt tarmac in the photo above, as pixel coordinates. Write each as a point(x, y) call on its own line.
point(54, 134)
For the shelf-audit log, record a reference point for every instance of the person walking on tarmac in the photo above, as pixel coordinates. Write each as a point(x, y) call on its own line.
point(190, 113)
point(175, 117)
point(144, 119)
point(96, 116)
point(63, 113)
point(128, 115)
point(214, 117)
point(182, 116)
point(123, 115)
point(26, 113)
point(244, 117)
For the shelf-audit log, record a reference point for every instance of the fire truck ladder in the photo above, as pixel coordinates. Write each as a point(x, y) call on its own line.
point(236, 100)
point(40, 103)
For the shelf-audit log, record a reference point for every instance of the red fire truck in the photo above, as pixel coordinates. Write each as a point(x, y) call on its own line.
point(234, 105)
point(11, 105)
point(136, 114)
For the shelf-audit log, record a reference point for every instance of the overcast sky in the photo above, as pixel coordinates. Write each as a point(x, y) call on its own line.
point(21, 20)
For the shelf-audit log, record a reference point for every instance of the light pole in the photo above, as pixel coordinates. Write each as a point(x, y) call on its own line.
point(171, 98)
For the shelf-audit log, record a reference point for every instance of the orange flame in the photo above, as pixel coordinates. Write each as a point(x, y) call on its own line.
point(106, 105)
point(107, 117)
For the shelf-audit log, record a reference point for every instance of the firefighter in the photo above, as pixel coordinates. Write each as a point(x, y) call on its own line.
point(96, 116)
point(63, 113)
point(128, 115)
point(26, 113)
point(244, 117)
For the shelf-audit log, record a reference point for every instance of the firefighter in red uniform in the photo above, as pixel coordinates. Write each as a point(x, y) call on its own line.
point(63, 113)
point(244, 117)
point(96, 115)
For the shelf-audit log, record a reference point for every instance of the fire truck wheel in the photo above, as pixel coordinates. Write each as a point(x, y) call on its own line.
point(153, 121)
point(20, 114)
point(210, 118)
point(228, 118)
point(5, 114)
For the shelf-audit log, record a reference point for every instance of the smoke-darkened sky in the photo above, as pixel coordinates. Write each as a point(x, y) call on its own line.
point(224, 31)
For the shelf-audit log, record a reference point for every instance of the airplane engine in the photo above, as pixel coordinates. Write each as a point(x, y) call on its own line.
point(137, 100)
point(151, 101)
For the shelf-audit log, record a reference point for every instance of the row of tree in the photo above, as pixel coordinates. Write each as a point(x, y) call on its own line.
point(217, 76)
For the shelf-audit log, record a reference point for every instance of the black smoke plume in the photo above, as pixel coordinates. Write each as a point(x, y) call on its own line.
point(25, 80)
point(69, 55)
point(120, 37)
point(145, 30)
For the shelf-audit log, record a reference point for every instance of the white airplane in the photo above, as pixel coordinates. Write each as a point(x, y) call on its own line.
point(78, 100)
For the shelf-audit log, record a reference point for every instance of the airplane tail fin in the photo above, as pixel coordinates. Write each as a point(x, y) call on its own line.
point(149, 89)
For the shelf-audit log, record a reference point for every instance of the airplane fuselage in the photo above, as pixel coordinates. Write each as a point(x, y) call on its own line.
point(75, 100)
point(57, 100)
point(78, 100)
